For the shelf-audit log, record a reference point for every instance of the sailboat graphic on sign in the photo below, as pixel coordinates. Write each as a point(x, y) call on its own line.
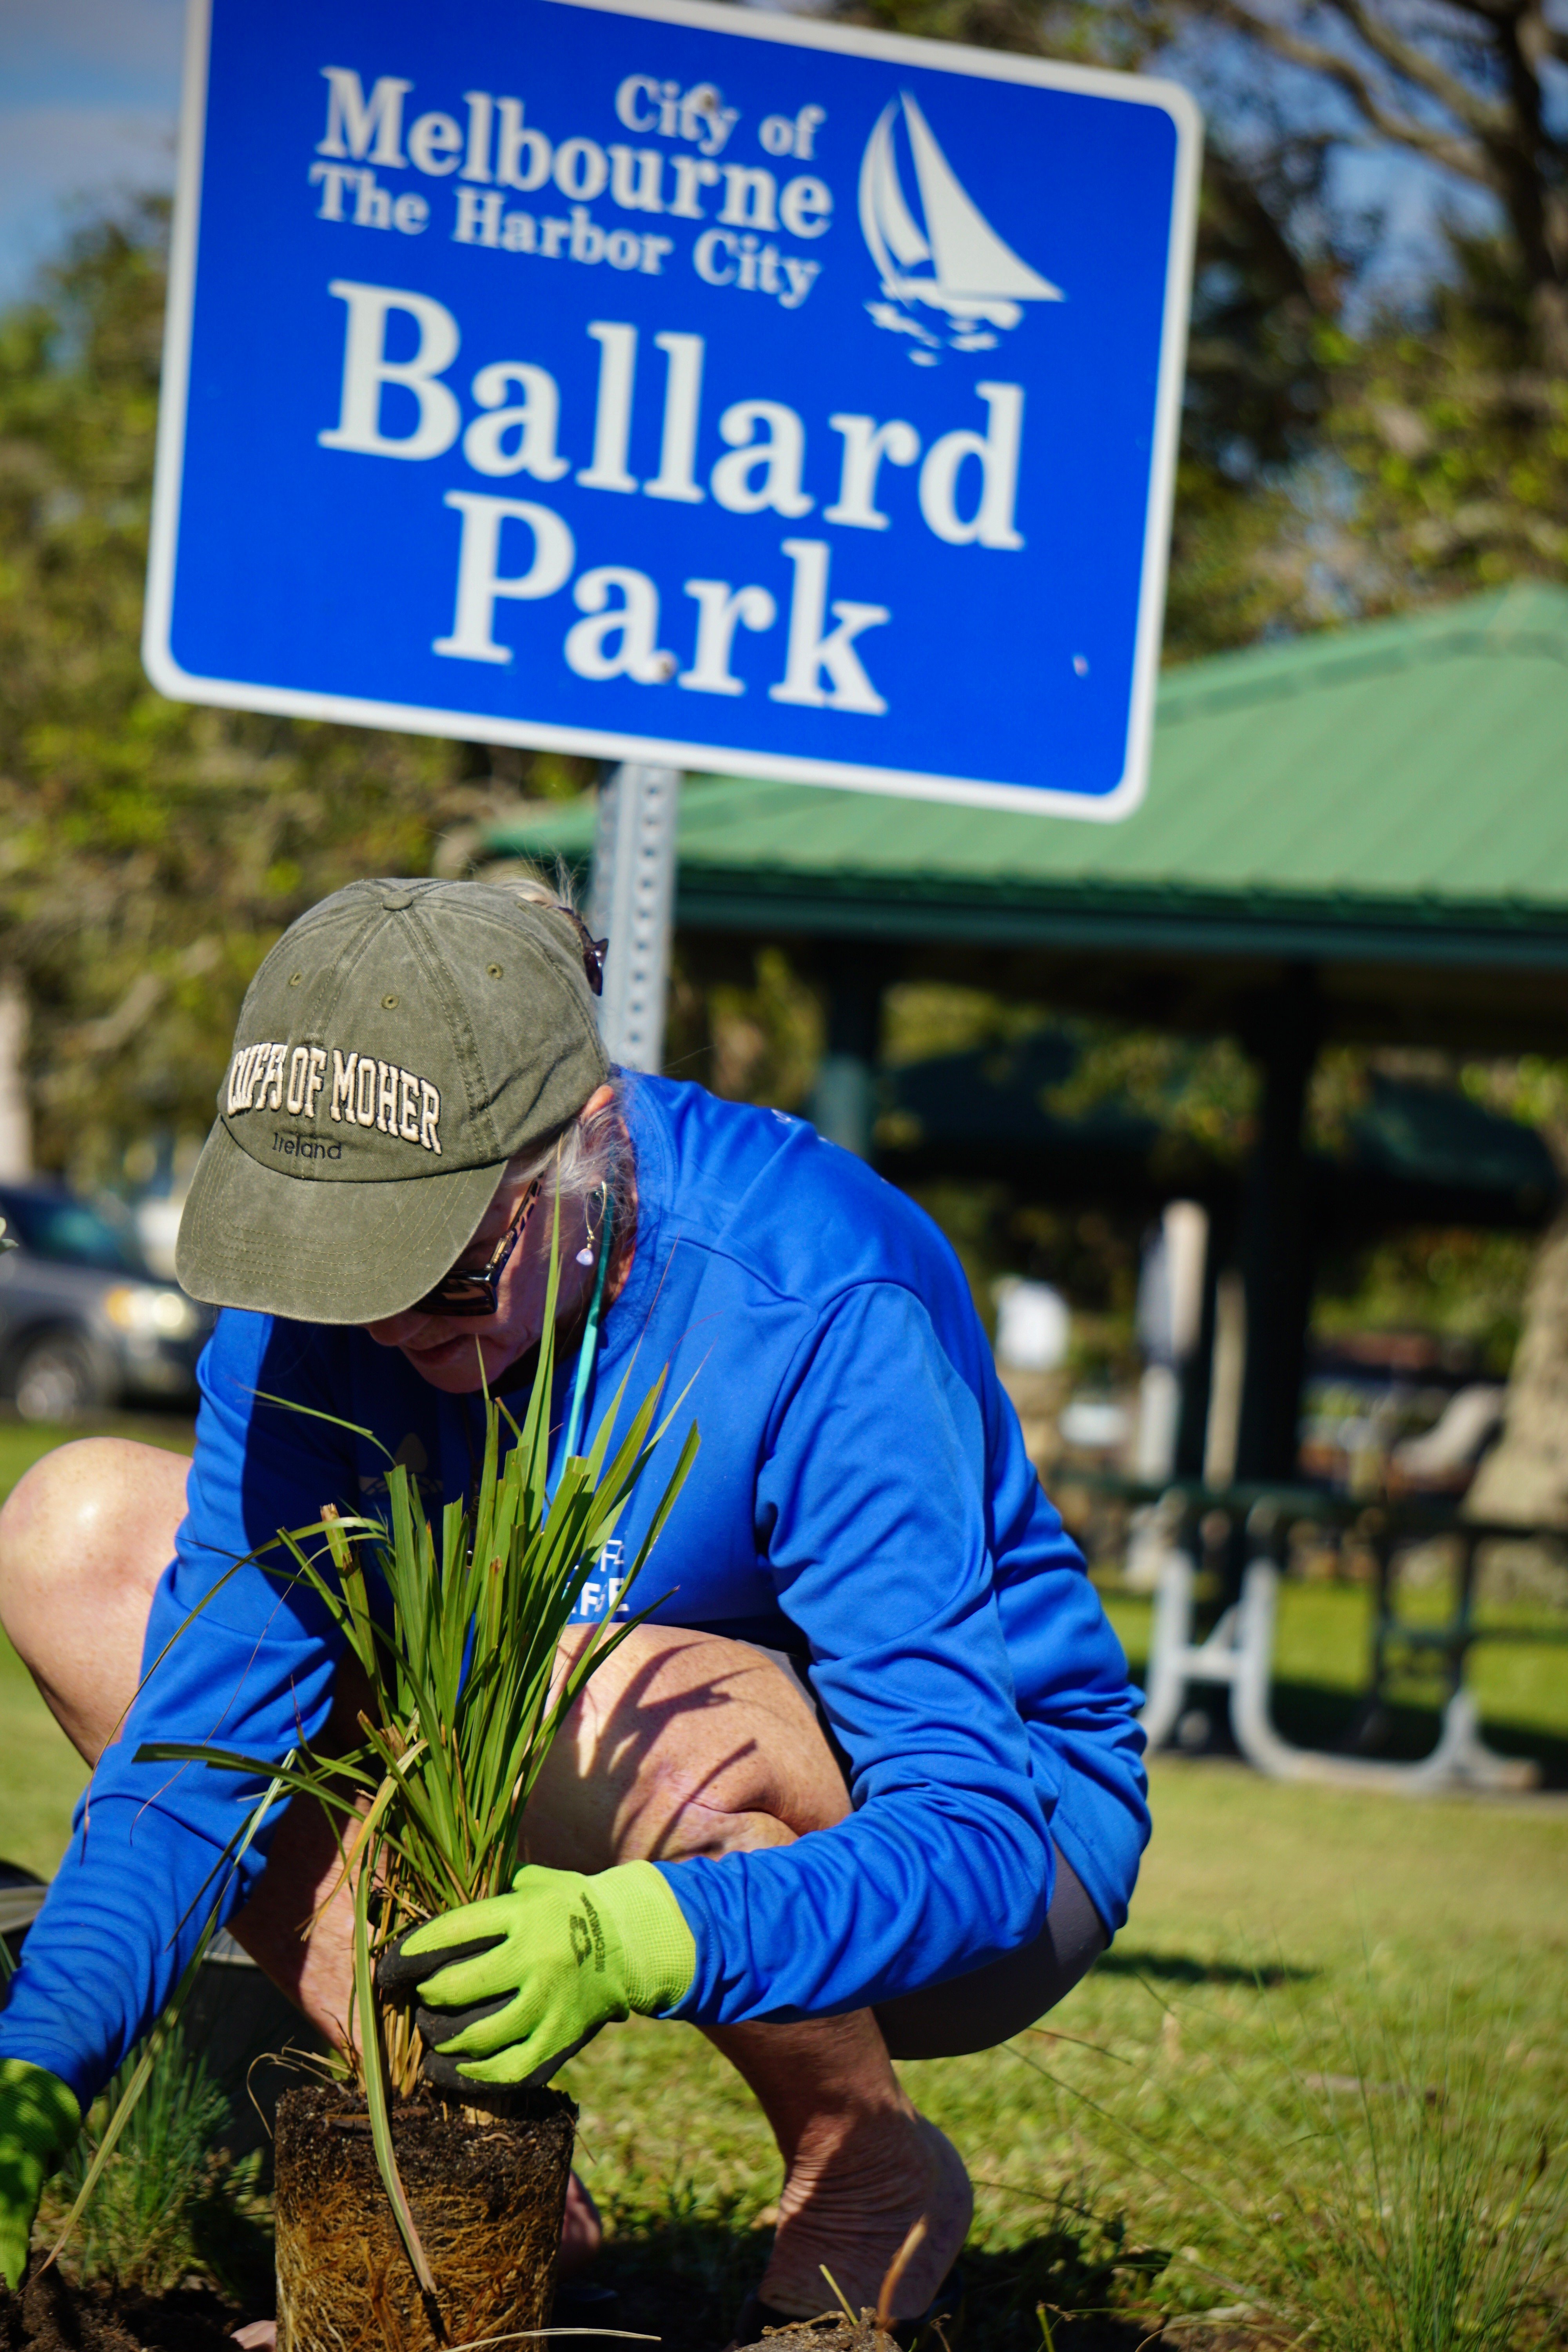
point(976, 279)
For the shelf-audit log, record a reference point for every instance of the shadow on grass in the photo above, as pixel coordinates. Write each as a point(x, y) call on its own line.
point(1326, 1717)
point(1094, 2284)
point(1313, 1716)
point(1180, 1967)
point(684, 2279)
point(680, 2277)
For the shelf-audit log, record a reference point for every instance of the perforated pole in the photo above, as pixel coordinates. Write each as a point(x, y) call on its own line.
point(634, 902)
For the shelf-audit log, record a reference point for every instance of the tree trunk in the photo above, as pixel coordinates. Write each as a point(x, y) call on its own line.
point(1524, 1481)
point(15, 1118)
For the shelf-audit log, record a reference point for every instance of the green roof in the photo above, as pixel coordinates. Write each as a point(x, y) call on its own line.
point(1396, 789)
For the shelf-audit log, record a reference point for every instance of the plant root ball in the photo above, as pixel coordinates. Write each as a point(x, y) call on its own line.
point(486, 2198)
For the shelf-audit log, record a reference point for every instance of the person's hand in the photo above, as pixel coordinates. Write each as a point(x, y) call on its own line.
point(520, 1982)
point(39, 2118)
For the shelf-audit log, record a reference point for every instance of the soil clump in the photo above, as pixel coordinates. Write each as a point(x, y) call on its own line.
point(49, 2315)
point(825, 2336)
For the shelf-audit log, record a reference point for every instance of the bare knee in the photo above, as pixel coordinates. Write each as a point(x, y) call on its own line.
point(683, 1744)
point(84, 1538)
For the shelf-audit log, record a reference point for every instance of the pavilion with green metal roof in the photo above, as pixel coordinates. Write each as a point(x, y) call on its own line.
point(1362, 835)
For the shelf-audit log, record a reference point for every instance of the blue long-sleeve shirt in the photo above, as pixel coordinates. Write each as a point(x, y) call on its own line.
point(862, 1495)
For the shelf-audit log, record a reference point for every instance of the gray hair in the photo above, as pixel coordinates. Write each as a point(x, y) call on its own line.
point(581, 1158)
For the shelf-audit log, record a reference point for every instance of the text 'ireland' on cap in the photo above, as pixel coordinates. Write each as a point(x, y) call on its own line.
point(401, 1041)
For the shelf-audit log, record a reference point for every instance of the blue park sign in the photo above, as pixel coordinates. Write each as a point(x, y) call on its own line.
point(675, 383)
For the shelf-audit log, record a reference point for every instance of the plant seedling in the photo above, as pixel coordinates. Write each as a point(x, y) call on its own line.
point(457, 1636)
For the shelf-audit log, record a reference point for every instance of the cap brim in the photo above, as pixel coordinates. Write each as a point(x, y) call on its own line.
point(321, 1251)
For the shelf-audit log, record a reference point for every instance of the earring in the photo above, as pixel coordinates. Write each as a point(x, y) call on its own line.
point(585, 1254)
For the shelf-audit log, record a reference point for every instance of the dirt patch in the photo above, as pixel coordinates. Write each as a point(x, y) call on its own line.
point(836, 2336)
point(51, 2315)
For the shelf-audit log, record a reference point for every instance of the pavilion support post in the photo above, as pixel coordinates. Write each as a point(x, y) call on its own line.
point(843, 1100)
point(1197, 1374)
point(1276, 1241)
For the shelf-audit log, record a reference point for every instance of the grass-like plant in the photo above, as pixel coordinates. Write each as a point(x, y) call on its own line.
point(166, 2199)
point(1398, 2205)
point(456, 1632)
point(1425, 2226)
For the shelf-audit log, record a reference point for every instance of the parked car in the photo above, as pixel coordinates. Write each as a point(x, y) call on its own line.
point(83, 1321)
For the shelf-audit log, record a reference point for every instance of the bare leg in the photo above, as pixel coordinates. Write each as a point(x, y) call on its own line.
point(860, 2165)
point(684, 1745)
point(84, 1538)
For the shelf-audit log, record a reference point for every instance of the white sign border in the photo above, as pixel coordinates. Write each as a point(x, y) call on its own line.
point(735, 23)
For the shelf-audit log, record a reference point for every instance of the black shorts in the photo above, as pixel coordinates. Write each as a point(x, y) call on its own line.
point(993, 2002)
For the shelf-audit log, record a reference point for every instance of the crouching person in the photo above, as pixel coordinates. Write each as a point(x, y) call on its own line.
point(868, 1784)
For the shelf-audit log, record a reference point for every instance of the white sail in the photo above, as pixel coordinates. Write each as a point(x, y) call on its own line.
point(885, 218)
point(971, 261)
point(975, 278)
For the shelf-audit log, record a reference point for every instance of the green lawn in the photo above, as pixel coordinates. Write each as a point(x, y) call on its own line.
point(41, 1773)
point(1197, 2094)
point(1279, 1935)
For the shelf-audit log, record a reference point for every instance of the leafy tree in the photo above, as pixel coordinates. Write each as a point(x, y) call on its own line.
point(1456, 437)
point(151, 853)
point(1472, 88)
point(1445, 417)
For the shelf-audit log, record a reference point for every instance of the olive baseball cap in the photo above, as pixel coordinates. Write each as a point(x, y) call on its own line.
point(401, 1041)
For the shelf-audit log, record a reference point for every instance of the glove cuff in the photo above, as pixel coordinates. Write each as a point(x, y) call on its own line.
point(658, 1951)
point(42, 2116)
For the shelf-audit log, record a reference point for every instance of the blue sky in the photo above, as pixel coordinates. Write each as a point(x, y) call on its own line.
point(89, 90)
point(89, 95)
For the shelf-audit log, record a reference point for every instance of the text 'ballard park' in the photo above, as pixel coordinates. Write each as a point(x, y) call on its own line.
point(966, 489)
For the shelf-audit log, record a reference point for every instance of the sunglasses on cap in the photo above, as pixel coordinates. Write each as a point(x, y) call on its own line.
point(462, 1291)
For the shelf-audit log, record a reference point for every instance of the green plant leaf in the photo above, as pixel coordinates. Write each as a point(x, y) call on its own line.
point(374, 2067)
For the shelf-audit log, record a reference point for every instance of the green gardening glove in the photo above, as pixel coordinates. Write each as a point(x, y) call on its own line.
point(520, 1982)
point(39, 2118)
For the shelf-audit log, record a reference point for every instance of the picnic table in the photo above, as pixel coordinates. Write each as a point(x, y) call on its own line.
point(1247, 1529)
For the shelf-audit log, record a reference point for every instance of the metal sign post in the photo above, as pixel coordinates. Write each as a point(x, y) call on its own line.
point(633, 902)
point(695, 386)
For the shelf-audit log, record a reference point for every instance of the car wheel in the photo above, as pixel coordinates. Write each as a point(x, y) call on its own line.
point(54, 1378)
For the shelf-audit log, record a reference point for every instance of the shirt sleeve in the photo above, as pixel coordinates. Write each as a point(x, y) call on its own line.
point(874, 1510)
point(246, 1662)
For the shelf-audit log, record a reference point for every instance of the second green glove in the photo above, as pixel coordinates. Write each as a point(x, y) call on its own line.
point(39, 2120)
point(509, 1990)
